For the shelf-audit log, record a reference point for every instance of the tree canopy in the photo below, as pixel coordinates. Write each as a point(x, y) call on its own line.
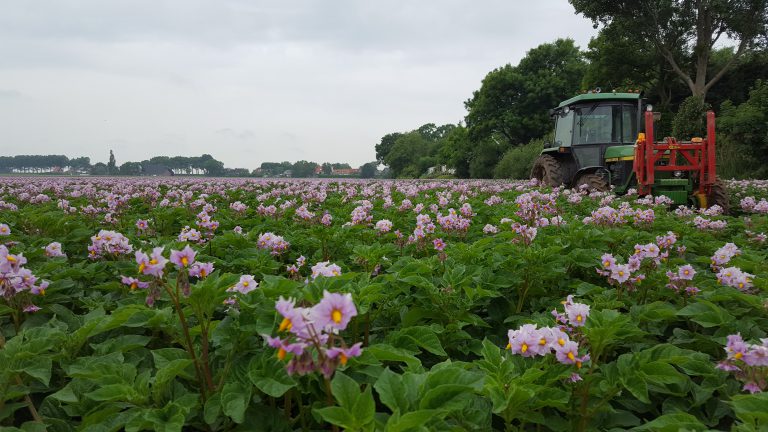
point(684, 32)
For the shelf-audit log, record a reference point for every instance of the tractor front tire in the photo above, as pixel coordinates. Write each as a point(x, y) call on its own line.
point(546, 169)
point(718, 194)
point(594, 181)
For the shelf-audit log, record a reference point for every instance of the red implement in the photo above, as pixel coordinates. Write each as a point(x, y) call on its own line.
point(697, 155)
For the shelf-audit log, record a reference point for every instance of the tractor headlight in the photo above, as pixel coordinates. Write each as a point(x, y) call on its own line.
point(678, 173)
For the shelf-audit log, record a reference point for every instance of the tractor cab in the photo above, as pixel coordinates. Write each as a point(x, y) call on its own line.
point(588, 124)
point(599, 141)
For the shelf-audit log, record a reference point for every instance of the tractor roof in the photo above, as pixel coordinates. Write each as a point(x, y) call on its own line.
point(596, 97)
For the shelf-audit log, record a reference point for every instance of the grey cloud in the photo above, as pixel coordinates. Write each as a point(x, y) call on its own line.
point(249, 81)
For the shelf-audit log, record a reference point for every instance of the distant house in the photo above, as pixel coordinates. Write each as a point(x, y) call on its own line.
point(156, 170)
point(441, 169)
point(318, 170)
point(346, 171)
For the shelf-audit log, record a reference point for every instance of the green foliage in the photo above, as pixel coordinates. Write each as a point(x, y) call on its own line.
point(690, 120)
point(745, 128)
point(433, 324)
point(513, 101)
point(518, 161)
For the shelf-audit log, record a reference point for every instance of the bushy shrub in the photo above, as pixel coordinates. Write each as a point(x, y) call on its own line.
point(745, 128)
point(690, 119)
point(518, 161)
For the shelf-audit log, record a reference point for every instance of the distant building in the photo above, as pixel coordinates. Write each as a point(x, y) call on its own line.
point(156, 170)
point(318, 170)
point(441, 169)
point(346, 171)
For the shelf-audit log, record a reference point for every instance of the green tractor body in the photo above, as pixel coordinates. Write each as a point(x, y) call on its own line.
point(599, 141)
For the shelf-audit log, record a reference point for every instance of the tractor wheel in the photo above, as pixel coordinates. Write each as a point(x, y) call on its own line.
point(594, 181)
point(719, 195)
point(546, 169)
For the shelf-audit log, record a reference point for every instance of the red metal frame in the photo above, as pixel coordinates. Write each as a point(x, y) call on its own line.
point(697, 156)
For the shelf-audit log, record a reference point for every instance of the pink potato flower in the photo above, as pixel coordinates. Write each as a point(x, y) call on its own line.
point(183, 258)
point(334, 311)
point(246, 284)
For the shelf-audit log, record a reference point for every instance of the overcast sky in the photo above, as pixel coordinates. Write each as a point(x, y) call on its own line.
point(251, 81)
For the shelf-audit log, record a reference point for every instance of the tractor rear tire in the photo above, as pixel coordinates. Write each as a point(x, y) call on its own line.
point(718, 194)
point(546, 169)
point(594, 181)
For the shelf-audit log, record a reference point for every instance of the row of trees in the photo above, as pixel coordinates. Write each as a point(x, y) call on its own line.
point(305, 169)
point(202, 165)
point(205, 165)
point(667, 48)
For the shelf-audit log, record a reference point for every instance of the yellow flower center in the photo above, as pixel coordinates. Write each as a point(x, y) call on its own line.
point(509, 346)
point(42, 292)
point(579, 318)
point(202, 272)
point(621, 273)
point(285, 324)
point(571, 357)
point(738, 355)
point(606, 264)
point(578, 365)
point(184, 261)
point(245, 284)
point(685, 272)
point(153, 261)
point(281, 354)
point(11, 258)
point(142, 266)
point(523, 348)
point(134, 285)
point(542, 341)
point(343, 359)
point(336, 316)
point(561, 342)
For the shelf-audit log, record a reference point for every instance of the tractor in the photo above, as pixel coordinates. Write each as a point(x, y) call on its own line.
point(605, 140)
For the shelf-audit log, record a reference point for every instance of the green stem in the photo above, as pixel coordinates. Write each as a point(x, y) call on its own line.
point(329, 400)
point(188, 339)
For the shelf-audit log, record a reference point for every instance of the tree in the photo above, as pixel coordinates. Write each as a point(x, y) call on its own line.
point(404, 153)
point(327, 168)
point(746, 125)
point(99, 169)
point(81, 164)
point(130, 168)
point(385, 145)
point(112, 165)
point(513, 101)
point(212, 167)
point(456, 151)
point(685, 31)
point(368, 170)
point(303, 169)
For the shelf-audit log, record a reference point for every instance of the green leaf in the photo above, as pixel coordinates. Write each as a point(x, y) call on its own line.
point(673, 422)
point(411, 420)
point(112, 392)
point(447, 397)
point(706, 314)
point(338, 416)
point(39, 368)
point(384, 352)
point(751, 408)
point(424, 337)
point(391, 391)
point(269, 376)
point(235, 398)
point(365, 407)
point(212, 409)
point(345, 390)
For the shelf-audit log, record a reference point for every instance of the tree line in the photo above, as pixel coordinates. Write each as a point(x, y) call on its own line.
point(205, 165)
point(668, 49)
